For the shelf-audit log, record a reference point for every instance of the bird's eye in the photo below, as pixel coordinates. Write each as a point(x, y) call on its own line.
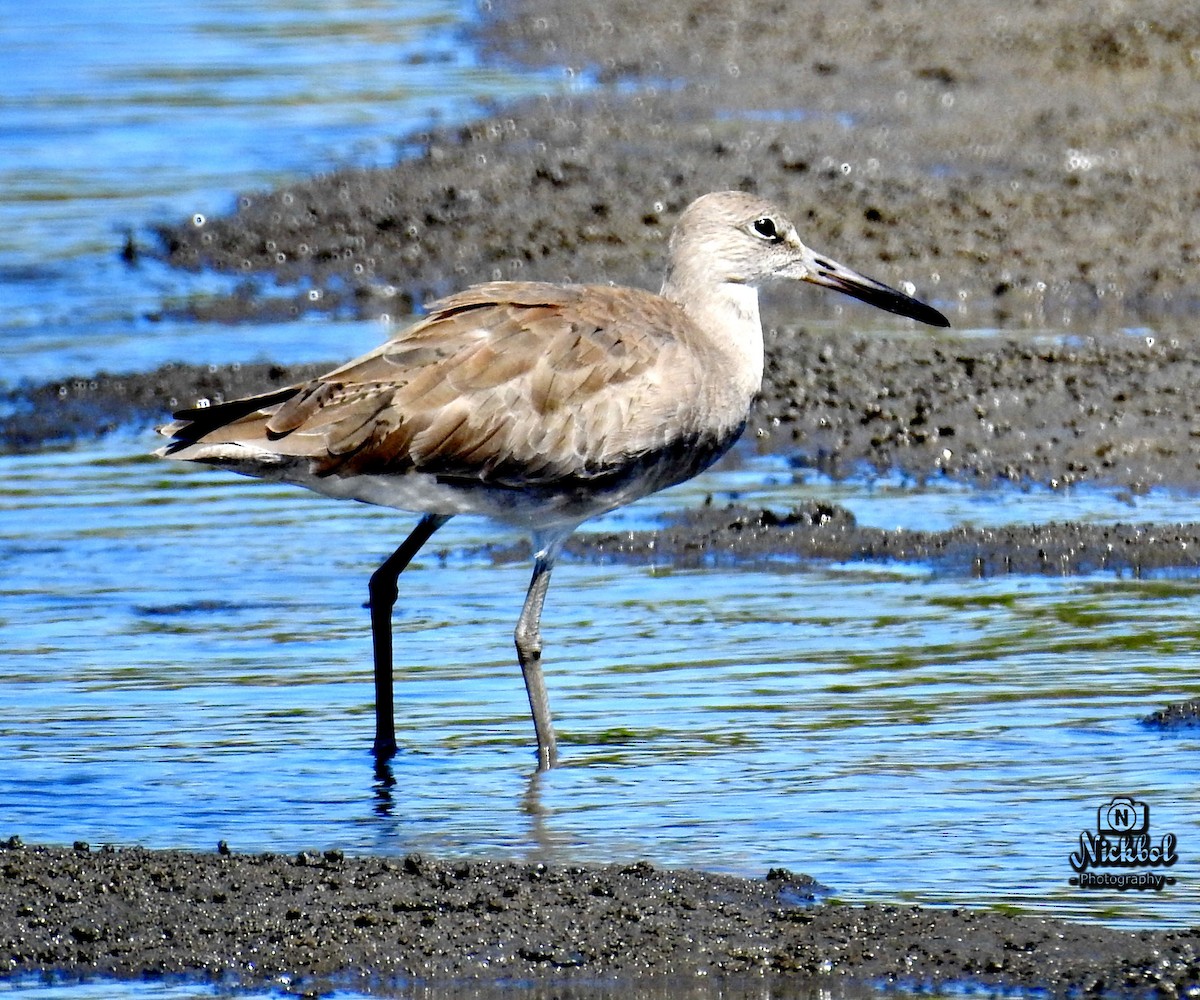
point(766, 229)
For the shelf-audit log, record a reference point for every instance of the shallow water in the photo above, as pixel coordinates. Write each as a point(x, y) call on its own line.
point(135, 113)
point(188, 660)
point(31, 989)
point(185, 656)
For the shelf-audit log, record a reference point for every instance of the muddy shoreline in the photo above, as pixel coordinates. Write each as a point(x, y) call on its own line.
point(1021, 168)
point(1112, 411)
point(320, 920)
point(1027, 169)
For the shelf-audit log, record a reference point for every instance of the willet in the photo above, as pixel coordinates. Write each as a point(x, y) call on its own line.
point(537, 404)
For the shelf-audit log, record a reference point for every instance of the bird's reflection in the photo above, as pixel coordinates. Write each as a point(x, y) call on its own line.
point(385, 781)
point(540, 838)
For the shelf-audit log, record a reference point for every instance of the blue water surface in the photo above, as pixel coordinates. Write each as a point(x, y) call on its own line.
point(119, 115)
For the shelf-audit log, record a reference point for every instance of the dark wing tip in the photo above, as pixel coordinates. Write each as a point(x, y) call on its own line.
point(193, 423)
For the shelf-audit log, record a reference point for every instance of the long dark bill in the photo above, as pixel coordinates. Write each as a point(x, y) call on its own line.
point(830, 274)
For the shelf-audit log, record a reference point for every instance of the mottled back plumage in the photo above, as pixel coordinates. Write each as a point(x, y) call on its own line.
point(507, 384)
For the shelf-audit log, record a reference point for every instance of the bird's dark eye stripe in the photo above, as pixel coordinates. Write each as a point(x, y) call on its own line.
point(766, 228)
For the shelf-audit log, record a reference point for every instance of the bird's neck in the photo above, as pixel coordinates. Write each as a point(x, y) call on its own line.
point(727, 313)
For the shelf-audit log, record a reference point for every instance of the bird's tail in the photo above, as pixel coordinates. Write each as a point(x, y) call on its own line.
point(237, 420)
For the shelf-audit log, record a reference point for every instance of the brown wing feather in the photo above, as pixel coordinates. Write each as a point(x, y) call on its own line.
point(502, 382)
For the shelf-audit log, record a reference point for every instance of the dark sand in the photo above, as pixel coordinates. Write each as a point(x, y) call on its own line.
point(1024, 166)
point(1117, 412)
point(321, 920)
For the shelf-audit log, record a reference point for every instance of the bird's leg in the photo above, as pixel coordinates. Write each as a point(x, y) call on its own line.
point(528, 636)
point(383, 590)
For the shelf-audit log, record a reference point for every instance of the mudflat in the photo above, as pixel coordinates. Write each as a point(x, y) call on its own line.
point(318, 921)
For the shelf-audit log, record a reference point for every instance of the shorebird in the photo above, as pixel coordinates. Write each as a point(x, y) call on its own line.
point(539, 405)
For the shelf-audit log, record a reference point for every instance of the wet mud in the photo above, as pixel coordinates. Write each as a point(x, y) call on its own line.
point(736, 535)
point(320, 920)
point(1021, 167)
point(1024, 167)
point(60, 412)
point(1117, 412)
point(1183, 715)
